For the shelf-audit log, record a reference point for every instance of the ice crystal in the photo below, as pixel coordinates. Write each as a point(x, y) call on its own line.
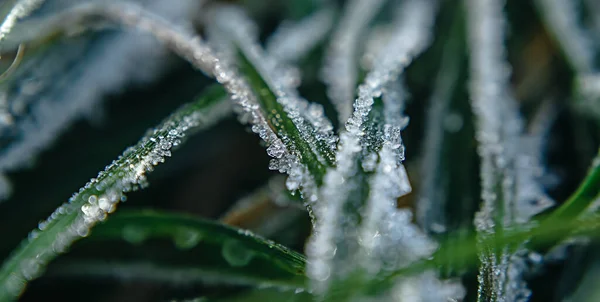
point(341, 70)
point(21, 9)
point(39, 107)
point(385, 238)
point(292, 41)
point(308, 119)
point(510, 190)
point(101, 195)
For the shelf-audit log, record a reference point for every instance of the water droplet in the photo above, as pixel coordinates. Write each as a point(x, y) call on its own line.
point(134, 234)
point(236, 254)
point(186, 238)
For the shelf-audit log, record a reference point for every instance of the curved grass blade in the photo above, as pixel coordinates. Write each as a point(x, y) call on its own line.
point(21, 9)
point(100, 196)
point(202, 251)
point(308, 142)
point(575, 207)
point(67, 79)
point(349, 248)
point(264, 122)
point(292, 41)
point(507, 177)
point(464, 251)
point(340, 72)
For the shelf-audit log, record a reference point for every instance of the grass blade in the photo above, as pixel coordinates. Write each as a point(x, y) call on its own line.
point(202, 251)
point(348, 246)
point(306, 136)
point(100, 196)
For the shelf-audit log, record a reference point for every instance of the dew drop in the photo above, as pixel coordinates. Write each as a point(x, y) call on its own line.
point(134, 234)
point(236, 254)
point(186, 239)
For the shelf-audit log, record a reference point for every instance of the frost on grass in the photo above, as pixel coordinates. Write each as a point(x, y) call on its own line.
point(510, 192)
point(21, 9)
point(100, 196)
point(305, 140)
point(292, 41)
point(340, 72)
point(360, 233)
point(37, 105)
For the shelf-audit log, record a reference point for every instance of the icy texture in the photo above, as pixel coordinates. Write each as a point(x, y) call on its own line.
point(510, 191)
point(292, 41)
point(340, 72)
point(426, 287)
point(100, 196)
point(21, 9)
point(38, 107)
point(308, 119)
point(385, 238)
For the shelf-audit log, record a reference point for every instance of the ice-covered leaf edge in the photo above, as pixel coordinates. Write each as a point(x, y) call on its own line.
point(100, 196)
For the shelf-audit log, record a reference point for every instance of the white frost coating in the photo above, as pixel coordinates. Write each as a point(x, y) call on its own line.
point(426, 287)
point(21, 10)
point(376, 40)
point(560, 16)
point(340, 72)
point(335, 247)
point(508, 175)
point(292, 41)
point(102, 194)
point(114, 62)
point(309, 119)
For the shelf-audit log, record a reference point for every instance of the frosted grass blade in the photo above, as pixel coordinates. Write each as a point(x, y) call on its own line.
point(292, 41)
point(101, 195)
point(306, 135)
point(340, 72)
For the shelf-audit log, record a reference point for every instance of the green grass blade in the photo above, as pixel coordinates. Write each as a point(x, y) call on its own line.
point(100, 196)
point(359, 229)
point(305, 140)
point(582, 198)
point(201, 250)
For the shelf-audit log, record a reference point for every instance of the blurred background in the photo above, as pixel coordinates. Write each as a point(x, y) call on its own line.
point(77, 100)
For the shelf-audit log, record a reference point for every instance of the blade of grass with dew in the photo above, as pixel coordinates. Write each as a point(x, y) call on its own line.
point(340, 72)
point(465, 251)
point(308, 142)
point(100, 196)
point(202, 251)
point(264, 114)
point(20, 9)
point(62, 80)
point(499, 133)
point(347, 247)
